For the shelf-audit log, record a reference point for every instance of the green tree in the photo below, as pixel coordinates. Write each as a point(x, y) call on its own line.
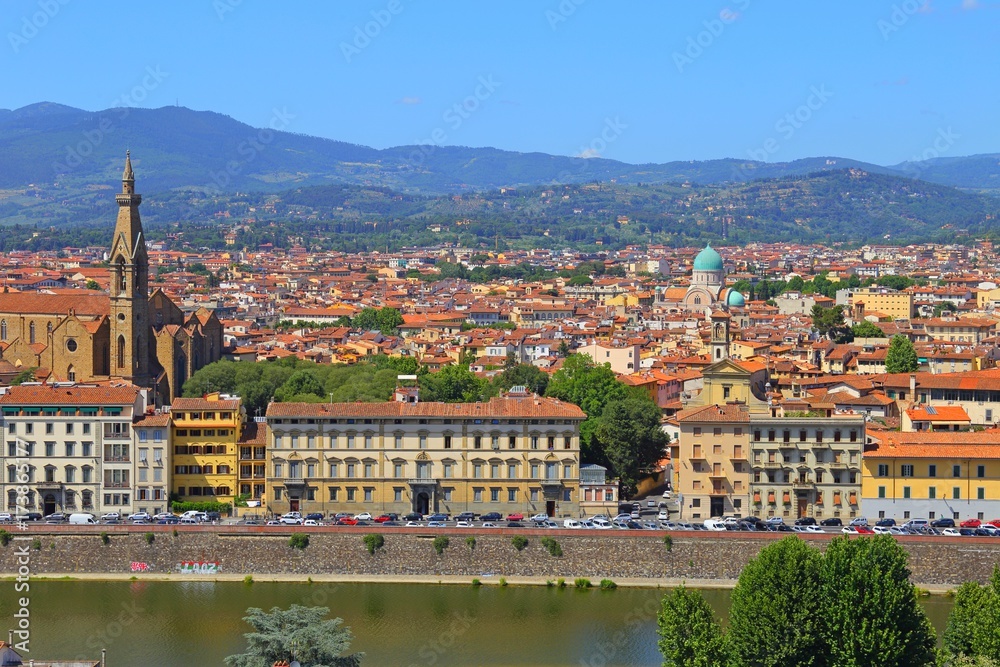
point(866, 329)
point(795, 284)
point(581, 382)
point(777, 608)
point(522, 375)
point(299, 633)
point(631, 438)
point(829, 322)
point(959, 635)
point(385, 319)
point(871, 614)
point(92, 284)
point(900, 357)
point(689, 634)
point(453, 384)
point(303, 385)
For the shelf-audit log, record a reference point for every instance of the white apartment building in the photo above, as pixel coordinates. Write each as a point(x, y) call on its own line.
point(74, 444)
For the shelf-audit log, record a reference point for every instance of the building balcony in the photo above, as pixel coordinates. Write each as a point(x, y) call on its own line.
point(717, 475)
point(840, 465)
point(422, 481)
point(799, 485)
point(294, 481)
point(49, 485)
point(118, 459)
point(738, 456)
point(771, 465)
point(551, 482)
point(117, 485)
point(717, 491)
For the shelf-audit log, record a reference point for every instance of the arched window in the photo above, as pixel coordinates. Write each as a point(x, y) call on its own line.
point(121, 351)
point(71, 373)
point(31, 333)
point(123, 281)
point(48, 330)
point(697, 300)
point(3, 329)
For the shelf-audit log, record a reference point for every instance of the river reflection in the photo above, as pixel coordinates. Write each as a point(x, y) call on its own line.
point(200, 622)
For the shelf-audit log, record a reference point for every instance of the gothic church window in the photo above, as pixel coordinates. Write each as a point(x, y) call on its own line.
point(31, 333)
point(121, 351)
point(3, 330)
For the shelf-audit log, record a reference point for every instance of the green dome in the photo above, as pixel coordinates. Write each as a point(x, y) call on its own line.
point(736, 299)
point(708, 260)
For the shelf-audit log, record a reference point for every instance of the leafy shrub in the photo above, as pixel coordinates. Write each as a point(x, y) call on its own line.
point(298, 541)
point(36, 544)
point(519, 542)
point(608, 585)
point(476, 582)
point(373, 542)
point(248, 580)
point(5, 537)
point(105, 539)
point(582, 583)
point(552, 547)
point(175, 532)
point(440, 544)
point(503, 581)
point(668, 542)
point(150, 538)
point(470, 542)
point(560, 582)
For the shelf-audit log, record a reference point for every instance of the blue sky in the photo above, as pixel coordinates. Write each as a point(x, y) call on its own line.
point(639, 82)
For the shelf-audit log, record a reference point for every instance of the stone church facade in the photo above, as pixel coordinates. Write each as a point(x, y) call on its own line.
point(129, 335)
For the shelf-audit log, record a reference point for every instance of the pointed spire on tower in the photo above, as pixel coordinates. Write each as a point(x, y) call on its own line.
point(127, 176)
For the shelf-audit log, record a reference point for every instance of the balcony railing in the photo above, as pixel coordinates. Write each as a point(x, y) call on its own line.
point(803, 485)
point(294, 481)
point(117, 459)
point(117, 485)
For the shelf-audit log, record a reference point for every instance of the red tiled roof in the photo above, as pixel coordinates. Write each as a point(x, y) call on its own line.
point(715, 413)
point(55, 304)
point(203, 404)
point(50, 395)
point(943, 445)
point(528, 407)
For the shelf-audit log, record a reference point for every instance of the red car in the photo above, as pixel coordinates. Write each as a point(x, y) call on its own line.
point(347, 521)
point(995, 523)
point(971, 523)
point(865, 530)
point(382, 518)
point(516, 516)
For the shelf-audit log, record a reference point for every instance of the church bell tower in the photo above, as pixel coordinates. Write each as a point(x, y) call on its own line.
point(129, 354)
point(720, 335)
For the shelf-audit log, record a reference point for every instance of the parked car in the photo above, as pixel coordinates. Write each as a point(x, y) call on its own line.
point(6, 517)
point(347, 521)
point(467, 516)
point(966, 532)
point(463, 524)
point(774, 520)
point(140, 516)
point(190, 520)
point(666, 495)
point(943, 523)
point(437, 517)
point(859, 521)
point(832, 521)
point(312, 522)
point(213, 516)
point(601, 523)
point(515, 516)
point(951, 532)
point(30, 516)
point(540, 517)
point(814, 529)
point(571, 523)
point(916, 524)
point(391, 523)
point(880, 530)
point(56, 517)
point(714, 524)
point(782, 527)
point(290, 521)
point(971, 523)
point(413, 524)
point(412, 516)
point(315, 516)
point(364, 516)
point(885, 523)
point(82, 518)
point(663, 515)
point(515, 524)
point(651, 502)
point(489, 524)
point(174, 520)
point(110, 515)
point(436, 524)
point(382, 518)
point(849, 530)
point(492, 516)
point(865, 530)
point(805, 521)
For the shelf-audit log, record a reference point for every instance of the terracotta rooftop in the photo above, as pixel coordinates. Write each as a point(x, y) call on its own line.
point(51, 395)
point(507, 407)
point(937, 444)
point(716, 413)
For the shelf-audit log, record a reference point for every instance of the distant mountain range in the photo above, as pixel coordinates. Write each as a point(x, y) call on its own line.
point(74, 151)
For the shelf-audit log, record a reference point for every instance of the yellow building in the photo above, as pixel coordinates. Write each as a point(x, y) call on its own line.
point(515, 453)
point(206, 433)
point(897, 305)
point(931, 475)
point(711, 463)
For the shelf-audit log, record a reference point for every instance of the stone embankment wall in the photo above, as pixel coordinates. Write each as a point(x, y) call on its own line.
point(406, 552)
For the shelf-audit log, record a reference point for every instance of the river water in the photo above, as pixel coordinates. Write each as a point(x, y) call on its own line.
point(200, 622)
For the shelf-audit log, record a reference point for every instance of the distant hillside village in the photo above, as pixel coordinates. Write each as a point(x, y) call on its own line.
point(789, 380)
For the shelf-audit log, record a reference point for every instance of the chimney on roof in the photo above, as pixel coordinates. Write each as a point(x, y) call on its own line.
point(913, 387)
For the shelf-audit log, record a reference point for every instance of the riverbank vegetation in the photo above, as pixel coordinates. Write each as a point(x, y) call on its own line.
point(852, 605)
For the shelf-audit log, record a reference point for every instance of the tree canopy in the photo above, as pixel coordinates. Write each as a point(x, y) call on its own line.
point(298, 633)
point(851, 606)
point(829, 323)
point(901, 357)
point(866, 329)
point(631, 438)
point(386, 320)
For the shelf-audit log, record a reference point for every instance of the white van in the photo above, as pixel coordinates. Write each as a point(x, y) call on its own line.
point(714, 524)
point(82, 518)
